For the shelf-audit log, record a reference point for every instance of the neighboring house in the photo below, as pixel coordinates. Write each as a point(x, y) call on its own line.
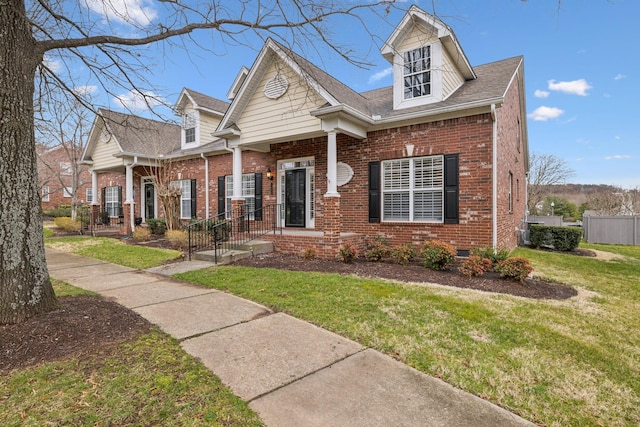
point(440, 154)
point(55, 178)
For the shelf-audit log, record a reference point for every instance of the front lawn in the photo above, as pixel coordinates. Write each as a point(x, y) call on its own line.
point(113, 250)
point(572, 362)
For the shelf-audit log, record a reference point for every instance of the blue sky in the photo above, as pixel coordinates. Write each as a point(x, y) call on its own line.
point(582, 76)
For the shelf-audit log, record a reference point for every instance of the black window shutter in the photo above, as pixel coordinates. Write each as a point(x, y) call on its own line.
point(451, 189)
point(258, 194)
point(120, 210)
point(103, 199)
point(193, 199)
point(374, 192)
point(221, 197)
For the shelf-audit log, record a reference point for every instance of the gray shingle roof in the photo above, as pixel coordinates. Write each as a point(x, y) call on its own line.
point(208, 102)
point(142, 136)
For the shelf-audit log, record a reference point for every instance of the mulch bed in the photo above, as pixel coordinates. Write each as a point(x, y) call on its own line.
point(83, 327)
point(414, 273)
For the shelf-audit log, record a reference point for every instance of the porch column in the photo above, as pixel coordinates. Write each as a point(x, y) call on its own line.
point(332, 165)
point(95, 203)
point(129, 216)
point(237, 174)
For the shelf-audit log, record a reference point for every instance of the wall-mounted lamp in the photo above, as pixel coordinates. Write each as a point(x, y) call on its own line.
point(270, 178)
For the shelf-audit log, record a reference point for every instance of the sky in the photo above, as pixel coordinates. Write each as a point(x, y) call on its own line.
point(582, 78)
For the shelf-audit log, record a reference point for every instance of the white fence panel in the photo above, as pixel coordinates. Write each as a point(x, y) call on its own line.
point(613, 230)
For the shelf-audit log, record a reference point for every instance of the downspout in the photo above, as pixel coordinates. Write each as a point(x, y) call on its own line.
point(494, 168)
point(206, 184)
point(132, 203)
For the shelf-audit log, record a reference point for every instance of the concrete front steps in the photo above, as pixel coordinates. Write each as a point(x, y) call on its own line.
point(227, 256)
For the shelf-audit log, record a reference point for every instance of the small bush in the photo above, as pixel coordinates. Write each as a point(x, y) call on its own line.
point(347, 253)
point(309, 253)
point(141, 234)
point(67, 224)
point(514, 268)
point(493, 255)
point(403, 254)
point(157, 226)
point(475, 266)
point(561, 238)
point(377, 249)
point(179, 239)
point(438, 255)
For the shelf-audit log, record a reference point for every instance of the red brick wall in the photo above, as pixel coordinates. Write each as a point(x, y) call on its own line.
point(49, 174)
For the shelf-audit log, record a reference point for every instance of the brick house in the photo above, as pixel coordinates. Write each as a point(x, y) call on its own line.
point(440, 154)
point(55, 177)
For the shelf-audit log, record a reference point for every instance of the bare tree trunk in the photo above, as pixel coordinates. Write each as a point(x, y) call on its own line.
point(25, 287)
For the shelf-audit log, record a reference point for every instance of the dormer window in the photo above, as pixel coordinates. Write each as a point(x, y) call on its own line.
point(417, 72)
point(189, 127)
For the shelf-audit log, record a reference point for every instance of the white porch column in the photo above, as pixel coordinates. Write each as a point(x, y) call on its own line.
point(332, 165)
point(237, 174)
point(129, 184)
point(94, 187)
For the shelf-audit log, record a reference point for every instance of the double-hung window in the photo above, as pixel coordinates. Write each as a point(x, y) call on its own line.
point(417, 72)
point(413, 189)
point(112, 201)
point(45, 193)
point(248, 192)
point(186, 197)
point(189, 125)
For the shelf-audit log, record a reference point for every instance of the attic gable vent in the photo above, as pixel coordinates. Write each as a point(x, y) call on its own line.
point(345, 173)
point(276, 87)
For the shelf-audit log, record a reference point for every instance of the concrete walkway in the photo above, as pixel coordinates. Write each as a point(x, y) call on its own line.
point(291, 372)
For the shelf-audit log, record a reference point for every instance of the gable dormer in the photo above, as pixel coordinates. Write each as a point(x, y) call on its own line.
point(200, 115)
point(428, 63)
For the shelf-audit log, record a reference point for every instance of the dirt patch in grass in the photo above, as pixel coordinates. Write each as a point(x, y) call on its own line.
point(84, 326)
point(414, 273)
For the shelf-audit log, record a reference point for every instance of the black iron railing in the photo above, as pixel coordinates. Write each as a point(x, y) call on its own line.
point(100, 220)
point(232, 229)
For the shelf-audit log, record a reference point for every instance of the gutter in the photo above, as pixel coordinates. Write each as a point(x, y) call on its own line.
point(494, 171)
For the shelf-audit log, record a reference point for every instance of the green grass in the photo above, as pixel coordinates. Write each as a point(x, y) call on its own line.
point(574, 362)
point(113, 250)
point(149, 381)
point(63, 289)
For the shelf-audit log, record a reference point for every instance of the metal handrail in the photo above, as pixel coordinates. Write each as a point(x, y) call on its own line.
point(232, 229)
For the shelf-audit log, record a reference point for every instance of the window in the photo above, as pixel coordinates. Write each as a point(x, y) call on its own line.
point(186, 197)
point(65, 168)
point(45, 193)
point(189, 125)
point(66, 192)
point(417, 72)
point(248, 192)
point(413, 189)
point(112, 202)
point(510, 189)
point(89, 195)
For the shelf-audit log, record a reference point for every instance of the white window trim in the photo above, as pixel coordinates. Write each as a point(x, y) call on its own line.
point(248, 192)
point(112, 202)
point(437, 62)
point(311, 205)
point(411, 190)
point(183, 133)
point(45, 193)
point(88, 193)
point(67, 192)
point(180, 182)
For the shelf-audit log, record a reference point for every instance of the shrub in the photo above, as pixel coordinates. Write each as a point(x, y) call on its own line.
point(475, 266)
point(67, 224)
point(438, 255)
point(157, 225)
point(514, 268)
point(403, 254)
point(561, 238)
point(377, 249)
point(309, 253)
point(141, 234)
point(179, 239)
point(493, 255)
point(347, 253)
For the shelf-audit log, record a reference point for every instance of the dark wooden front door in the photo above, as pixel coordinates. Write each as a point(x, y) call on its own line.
point(295, 197)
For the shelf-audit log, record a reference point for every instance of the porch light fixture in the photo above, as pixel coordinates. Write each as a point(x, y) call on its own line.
point(270, 178)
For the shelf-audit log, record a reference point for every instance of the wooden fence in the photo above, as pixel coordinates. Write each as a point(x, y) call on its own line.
point(613, 230)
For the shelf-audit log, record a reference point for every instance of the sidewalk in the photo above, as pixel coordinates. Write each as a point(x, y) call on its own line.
point(291, 372)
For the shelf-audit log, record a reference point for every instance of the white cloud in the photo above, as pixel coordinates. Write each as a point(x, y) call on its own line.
point(542, 114)
point(85, 90)
point(52, 64)
point(575, 87)
point(620, 76)
point(541, 93)
point(133, 12)
point(381, 75)
point(136, 101)
point(618, 157)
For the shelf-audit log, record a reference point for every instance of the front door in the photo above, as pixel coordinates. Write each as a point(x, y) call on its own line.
point(149, 200)
point(295, 197)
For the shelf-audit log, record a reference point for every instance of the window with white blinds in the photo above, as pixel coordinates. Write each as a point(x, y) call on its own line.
point(248, 192)
point(185, 197)
point(413, 189)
